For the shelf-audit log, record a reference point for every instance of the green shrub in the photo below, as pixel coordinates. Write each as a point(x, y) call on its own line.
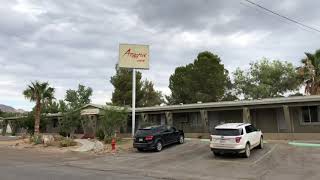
point(107, 140)
point(100, 134)
point(36, 139)
point(58, 138)
point(67, 142)
point(63, 133)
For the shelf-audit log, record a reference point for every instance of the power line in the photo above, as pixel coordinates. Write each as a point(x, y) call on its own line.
point(282, 16)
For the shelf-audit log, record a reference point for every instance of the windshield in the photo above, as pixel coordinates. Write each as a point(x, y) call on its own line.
point(227, 132)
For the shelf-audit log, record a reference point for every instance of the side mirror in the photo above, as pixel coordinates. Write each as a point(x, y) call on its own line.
point(258, 129)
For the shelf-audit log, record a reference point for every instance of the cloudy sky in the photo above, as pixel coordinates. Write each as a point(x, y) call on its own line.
point(76, 41)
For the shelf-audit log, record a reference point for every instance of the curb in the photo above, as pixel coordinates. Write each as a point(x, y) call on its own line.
point(304, 144)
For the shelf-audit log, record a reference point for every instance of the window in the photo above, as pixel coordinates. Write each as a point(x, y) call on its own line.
point(310, 114)
point(253, 128)
point(249, 129)
point(228, 132)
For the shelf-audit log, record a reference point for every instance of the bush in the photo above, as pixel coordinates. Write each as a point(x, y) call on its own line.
point(36, 139)
point(112, 119)
point(100, 134)
point(58, 138)
point(63, 133)
point(68, 123)
point(67, 142)
point(107, 140)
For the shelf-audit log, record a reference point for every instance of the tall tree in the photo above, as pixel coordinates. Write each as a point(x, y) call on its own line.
point(50, 106)
point(39, 93)
point(266, 79)
point(63, 107)
point(204, 80)
point(122, 83)
point(78, 98)
point(309, 72)
point(151, 97)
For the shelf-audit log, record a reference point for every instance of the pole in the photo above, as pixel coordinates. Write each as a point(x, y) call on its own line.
point(133, 100)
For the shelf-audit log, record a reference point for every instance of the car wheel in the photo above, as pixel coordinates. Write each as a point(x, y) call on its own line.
point(159, 146)
point(140, 149)
point(261, 143)
point(181, 140)
point(216, 154)
point(247, 151)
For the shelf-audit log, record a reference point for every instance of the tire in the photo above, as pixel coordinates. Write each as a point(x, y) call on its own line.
point(261, 143)
point(181, 139)
point(159, 146)
point(216, 153)
point(246, 153)
point(140, 149)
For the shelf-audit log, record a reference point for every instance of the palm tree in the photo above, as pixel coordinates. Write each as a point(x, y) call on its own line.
point(310, 72)
point(39, 93)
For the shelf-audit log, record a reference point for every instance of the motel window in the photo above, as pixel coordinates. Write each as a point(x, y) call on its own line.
point(310, 114)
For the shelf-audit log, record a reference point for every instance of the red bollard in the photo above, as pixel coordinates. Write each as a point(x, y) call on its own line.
point(113, 145)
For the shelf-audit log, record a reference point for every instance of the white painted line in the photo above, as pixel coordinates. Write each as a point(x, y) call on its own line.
point(247, 163)
point(267, 153)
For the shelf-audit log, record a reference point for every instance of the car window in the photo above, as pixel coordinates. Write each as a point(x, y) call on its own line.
point(172, 129)
point(227, 132)
point(253, 128)
point(144, 132)
point(162, 129)
point(249, 129)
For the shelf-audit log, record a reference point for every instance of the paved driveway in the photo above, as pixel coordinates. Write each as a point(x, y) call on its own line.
point(192, 160)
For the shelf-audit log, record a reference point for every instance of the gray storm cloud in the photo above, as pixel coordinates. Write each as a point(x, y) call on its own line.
point(71, 42)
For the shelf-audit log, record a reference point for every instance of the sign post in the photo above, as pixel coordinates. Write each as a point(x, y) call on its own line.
point(133, 100)
point(133, 56)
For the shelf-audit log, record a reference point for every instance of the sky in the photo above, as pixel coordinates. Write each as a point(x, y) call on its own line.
point(76, 41)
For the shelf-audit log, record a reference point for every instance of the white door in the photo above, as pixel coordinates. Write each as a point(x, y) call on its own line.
point(251, 135)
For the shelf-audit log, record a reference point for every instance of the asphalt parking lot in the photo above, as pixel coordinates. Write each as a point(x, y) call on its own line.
point(192, 160)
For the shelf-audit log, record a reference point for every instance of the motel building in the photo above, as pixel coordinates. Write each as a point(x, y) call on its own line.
point(278, 118)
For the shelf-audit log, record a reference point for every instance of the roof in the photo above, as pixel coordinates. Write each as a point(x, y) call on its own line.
point(231, 125)
point(151, 127)
point(268, 101)
point(99, 106)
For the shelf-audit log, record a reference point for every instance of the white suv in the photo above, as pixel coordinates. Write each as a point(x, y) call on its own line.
point(236, 138)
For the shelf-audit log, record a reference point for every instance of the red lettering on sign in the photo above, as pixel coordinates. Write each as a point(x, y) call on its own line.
point(135, 55)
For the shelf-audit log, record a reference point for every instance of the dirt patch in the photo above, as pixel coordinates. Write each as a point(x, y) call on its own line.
point(25, 144)
point(122, 146)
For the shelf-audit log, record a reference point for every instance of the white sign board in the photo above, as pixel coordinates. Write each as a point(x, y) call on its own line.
point(90, 111)
point(134, 56)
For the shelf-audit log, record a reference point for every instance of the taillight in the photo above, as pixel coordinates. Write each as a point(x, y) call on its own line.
point(238, 139)
point(148, 138)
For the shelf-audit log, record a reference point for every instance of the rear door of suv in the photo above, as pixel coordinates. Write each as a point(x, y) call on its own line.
point(227, 138)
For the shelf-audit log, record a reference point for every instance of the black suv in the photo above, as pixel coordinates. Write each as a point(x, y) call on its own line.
point(156, 137)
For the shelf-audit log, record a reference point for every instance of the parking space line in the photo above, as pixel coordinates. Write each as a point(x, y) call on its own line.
point(267, 153)
point(249, 163)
